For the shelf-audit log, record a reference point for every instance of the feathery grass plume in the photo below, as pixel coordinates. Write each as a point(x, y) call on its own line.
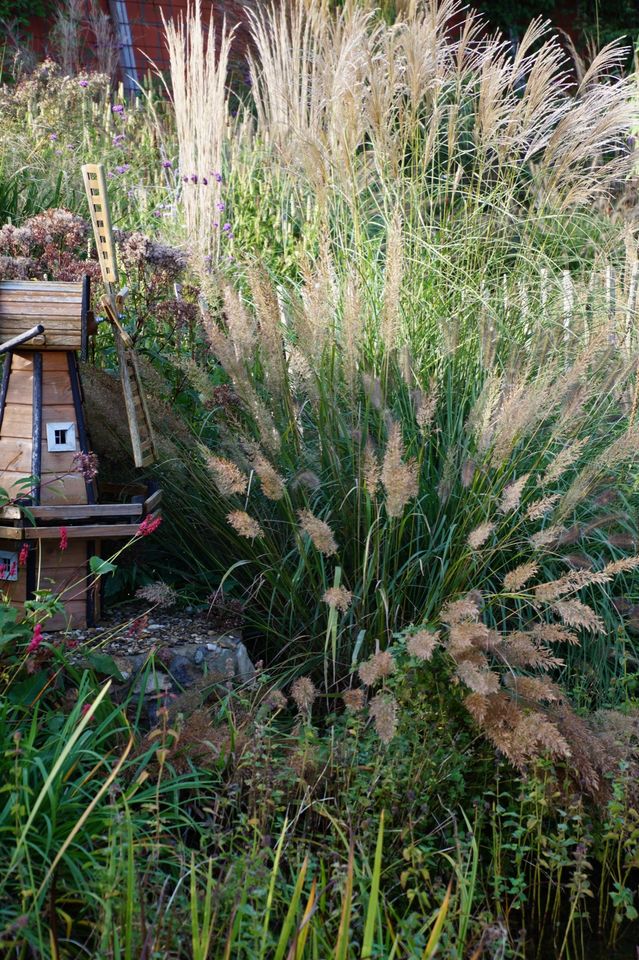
point(522, 408)
point(479, 679)
point(319, 532)
point(271, 482)
point(511, 496)
point(300, 375)
point(547, 537)
point(460, 611)
point(539, 508)
point(536, 735)
point(383, 710)
point(423, 644)
point(480, 421)
point(478, 537)
point(224, 352)
point(554, 633)
point(242, 334)
point(399, 478)
point(425, 405)
point(160, 594)
point(354, 700)
point(267, 310)
point(532, 688)
point(339, 598)
point(563, 460)
point(519, 577)
point(575, 613)
point(304, 694)
point(377, 667)
point(199, 67)
point(523, 649)
point(391, 310)
point(244, 524)
point(371, 469)
point(227, 476)
point(352, 327)
point(468, 473)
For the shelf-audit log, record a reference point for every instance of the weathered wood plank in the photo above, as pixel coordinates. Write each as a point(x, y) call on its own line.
point(106, 531)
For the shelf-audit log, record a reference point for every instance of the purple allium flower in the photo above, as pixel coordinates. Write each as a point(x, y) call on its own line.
point(221, 205)
point(53, 137)
point(185, 179)
point(215, 224)
point(205, 181)
point(84, 83)
point(227, 227)
point(123, 168)
point(118, 139)
point(218, 177)
point(117, 108)
point(194, 178)
point(167, 164)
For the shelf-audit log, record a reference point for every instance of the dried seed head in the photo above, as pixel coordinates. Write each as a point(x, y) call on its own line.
point(371, 470)
point(338, 598)
point(228, 477)
point(319, 532)
point(519, 577)
point(400, 479)
point(383, 710)
point(245, 525)
point(304, 694)
point(512, 494)
point(480, 535)
point(539, 508)
point(354, 699)
point(422, 644)
point(160, 594)
point(380, 665)
point(272, 484)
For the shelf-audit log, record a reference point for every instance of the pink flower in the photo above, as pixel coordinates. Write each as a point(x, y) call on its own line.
point(23, 556)
point(36, 639)
point(148, 526)
point(85, 709)
point(64, 540)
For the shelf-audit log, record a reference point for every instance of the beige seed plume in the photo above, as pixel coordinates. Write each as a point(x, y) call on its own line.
point(574, 613)
point(377, 667)
point(564, 459)
point(477, 679)
point(400, 479)
point(519, 577)
point(245, 525)
point(383, 710)
point(272, 484)
point(319, 532)
point(422, 644)
point(479, 536)
point(539, 508)
point(354, 699)
point(303, 693)
point(511, 496)
point(338, 598)
point(228, 477)
point(371, 470)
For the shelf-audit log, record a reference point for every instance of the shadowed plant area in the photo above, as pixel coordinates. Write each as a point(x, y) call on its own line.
point(382, 283)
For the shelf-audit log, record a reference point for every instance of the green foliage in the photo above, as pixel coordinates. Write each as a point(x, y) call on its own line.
point(21, 11)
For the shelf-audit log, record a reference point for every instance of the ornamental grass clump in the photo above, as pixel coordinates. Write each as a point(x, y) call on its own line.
point(466, 532)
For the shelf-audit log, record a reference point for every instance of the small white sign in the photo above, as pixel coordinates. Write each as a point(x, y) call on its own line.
point(8, 565)
point(61, 437)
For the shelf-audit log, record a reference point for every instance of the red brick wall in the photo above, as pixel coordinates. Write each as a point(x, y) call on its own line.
point(145, 20)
